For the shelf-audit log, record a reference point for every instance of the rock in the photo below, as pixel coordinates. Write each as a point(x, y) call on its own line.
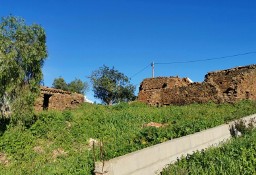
point(92, 142)
point(154, 124)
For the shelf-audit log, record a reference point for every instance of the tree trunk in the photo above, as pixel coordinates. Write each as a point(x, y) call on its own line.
point(5, 107)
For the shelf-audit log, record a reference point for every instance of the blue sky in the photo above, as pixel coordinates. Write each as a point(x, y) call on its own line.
point(82, 35)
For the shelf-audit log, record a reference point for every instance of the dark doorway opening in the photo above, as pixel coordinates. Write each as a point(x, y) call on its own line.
point(46, 101)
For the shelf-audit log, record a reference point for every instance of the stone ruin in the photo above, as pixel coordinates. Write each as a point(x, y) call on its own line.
point(56, 99)
point(229, 85)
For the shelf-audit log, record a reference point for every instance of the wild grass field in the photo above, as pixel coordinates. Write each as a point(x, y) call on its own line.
point(57, 142)
point(238, 156)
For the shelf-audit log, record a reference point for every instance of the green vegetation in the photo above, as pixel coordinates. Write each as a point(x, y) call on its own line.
point(57, 142)
point(111, 86)
point(238, 156)
point(76, 85)
point(22, 55)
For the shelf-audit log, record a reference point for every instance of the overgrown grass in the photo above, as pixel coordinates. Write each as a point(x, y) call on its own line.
point(57, 143)
point(238, 156)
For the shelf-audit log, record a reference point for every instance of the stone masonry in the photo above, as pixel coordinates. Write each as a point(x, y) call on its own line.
point(229, 85)
point(56, 99)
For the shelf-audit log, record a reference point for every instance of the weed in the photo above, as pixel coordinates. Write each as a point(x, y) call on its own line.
point(30, 150)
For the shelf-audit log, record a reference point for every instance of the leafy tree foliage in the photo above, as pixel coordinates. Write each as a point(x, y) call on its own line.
point(60, 83)
point(76, 85)
point(111, 86)
point(22, 54)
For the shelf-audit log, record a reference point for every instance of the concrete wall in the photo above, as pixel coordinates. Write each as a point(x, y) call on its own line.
point(229, 85)
point(152, 160)
point(57, 99)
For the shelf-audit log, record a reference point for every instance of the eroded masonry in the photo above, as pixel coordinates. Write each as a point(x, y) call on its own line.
point(229, 85)
point(57, 99)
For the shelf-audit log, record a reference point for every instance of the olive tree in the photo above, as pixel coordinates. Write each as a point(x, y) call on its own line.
point(111, 86)
point(76, 85)
point(60, 83)
point(22, 55)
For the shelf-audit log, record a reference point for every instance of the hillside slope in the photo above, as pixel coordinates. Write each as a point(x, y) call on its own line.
point(58, 142)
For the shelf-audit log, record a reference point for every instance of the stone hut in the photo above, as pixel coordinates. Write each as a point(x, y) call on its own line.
point(57, 99)
point(229, 85)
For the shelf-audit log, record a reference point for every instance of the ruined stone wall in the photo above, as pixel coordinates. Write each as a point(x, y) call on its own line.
point(151, 88)
point(221, 86)
point(56, 99)
point(193, 93)
point(234, 84)
point(163, 82)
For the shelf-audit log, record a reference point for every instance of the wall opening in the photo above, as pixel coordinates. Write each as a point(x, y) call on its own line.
point(164, 85)
point(247, 95)
point(46, 101)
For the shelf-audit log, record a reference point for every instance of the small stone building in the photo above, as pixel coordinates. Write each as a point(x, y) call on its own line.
point(229, 85)
point(57, 99)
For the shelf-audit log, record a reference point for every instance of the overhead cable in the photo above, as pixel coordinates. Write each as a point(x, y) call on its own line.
point(209, 59)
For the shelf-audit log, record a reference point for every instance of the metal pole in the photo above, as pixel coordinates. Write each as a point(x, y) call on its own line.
point(153, 69)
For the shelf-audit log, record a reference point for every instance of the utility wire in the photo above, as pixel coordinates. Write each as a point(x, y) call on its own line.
point(193, 61)
point(140, 71)
point(209, 59)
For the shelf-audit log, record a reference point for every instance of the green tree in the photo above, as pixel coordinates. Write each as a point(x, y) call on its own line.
point(22, 55)
point(76, 85)
point(60, 83)
point(111, 86)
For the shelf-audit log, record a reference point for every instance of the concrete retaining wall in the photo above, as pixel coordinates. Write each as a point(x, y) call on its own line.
point(152, 160)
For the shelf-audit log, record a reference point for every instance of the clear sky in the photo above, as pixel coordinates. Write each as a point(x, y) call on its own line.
point(82, 35)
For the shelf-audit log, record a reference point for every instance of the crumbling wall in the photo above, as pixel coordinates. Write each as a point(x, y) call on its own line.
point(234, 84)
point(151, 88)
point(193, 93)
point(221, 86)
point(163, 83)
point(56, 99)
